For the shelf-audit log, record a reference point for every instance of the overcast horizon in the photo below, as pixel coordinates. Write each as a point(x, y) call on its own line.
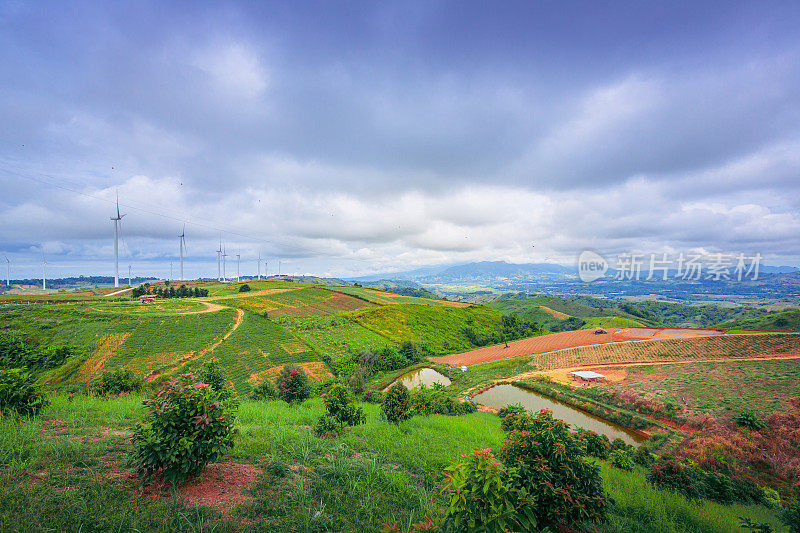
point(354, 138)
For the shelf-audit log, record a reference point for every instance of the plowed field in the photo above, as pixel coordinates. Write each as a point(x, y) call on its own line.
point(570, 339)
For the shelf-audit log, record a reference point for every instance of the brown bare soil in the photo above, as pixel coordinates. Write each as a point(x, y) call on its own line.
point(317, 371)
point(220, 485)
point(251, 294)
point(568, 339)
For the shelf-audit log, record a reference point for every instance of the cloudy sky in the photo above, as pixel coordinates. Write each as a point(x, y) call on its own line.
point(346, 137)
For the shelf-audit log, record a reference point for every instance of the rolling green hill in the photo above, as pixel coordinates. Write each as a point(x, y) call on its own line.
point(785, 320)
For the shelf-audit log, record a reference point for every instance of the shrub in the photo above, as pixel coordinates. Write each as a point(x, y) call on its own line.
point(551, 469)
point(116, 382)
point(245, 288)
point(643, 457)
point(373, 396)
point(596, 445)
point(326, 425)
point(292, 384)
point(341, 410)
point(750, 421)
point(482, 497)
point(434, 400)
point(211, 373)
point(791, 513)
point(356, 380)
point(771, 498)
point(266, 390)
point(695, 483)
point(19, 395)
point(621, 459)
point(396, 405)
point(184, 429)
point(511, 408)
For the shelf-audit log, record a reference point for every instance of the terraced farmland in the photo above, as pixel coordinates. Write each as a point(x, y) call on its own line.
point(338, 337)
point(666, 350)
point(386, 298)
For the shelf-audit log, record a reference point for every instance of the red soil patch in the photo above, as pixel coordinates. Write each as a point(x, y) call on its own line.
point(568, 339)
point(219, 485)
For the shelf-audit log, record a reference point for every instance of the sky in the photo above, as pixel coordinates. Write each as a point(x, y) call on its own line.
point(347, 138)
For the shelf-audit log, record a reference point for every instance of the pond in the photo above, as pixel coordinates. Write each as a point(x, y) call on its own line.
point(503, 395)
point(426, 376)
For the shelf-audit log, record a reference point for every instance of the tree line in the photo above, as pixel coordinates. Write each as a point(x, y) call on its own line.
point(169, 292)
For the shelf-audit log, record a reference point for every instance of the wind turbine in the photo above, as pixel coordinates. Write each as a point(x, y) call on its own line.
point(279, 267)
point(219, 255)
point(259, 265)
point(8, 272)
point(116, 220)
point(170, 270)
point(238, 279)
point(224, 255)
point(129, 275)
point(44, 274)
point(182, 246)
point(266, 269)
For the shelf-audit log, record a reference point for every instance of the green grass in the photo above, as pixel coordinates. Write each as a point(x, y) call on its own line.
point(784, 320)
point(338, 336)
point(256, 346)
point(441, 329)
point(162, 307)
point(610, 322)
point(386, 298)
point(68, 472)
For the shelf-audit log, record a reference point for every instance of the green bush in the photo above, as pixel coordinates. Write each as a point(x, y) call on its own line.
point(19, 395)
point(341, 410)
point(373, 396)
point(266, 390)
point(511, 408)
point(596, 445)
point(791, 513)
point(434, 400)
point(116, 382)
point(245, 288)
point(211, 373)
point(326, 425)
point(185, 429)
point(292, 384)
point(643, 457)
point(750, 421)
point(771, 498)
point(696, 483)
point(396, 405)
point(482, 497)
point(621, 459)
point(552, 471)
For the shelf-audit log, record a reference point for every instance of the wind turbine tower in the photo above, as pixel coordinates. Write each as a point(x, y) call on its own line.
point(259, 265)
point(219, 256)
point(182, 246)
point(8, 272)
point(224, 255)
point(44, 273)
point(238, 279)
point(116, 220)
point(129, 275)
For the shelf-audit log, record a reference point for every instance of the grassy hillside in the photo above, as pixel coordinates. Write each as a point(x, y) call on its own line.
point(441, 329)
point(536, 310)
point(784, 320)
point(68, 472)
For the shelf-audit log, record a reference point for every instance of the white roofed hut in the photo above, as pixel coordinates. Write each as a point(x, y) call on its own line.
point(587, 376)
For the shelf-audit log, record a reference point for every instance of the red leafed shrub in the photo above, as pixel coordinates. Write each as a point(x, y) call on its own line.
point(293, 384)
point(185, 429)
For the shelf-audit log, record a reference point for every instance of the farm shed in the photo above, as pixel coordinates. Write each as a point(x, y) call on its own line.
point(147, 298)
point(587, 375)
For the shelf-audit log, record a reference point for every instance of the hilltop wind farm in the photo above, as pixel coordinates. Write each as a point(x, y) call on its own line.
point(519, 267)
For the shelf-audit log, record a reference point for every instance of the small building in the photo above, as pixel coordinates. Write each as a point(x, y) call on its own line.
point(587, 375)
point(464, 368)
point(147, 298)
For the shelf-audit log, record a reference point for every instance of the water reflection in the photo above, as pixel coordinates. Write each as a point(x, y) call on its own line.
point(425, 376)
point(503, 395)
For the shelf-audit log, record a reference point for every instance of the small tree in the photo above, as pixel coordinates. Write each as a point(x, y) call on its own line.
point(551, 470)
point(482, 497)
point(341, 411)
point(293, 384)
point(396, 405)
point(266, 390)
point(19, 395)
point(211, 373)
point(185, 429)
point(116, 382)
point(245, 288)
